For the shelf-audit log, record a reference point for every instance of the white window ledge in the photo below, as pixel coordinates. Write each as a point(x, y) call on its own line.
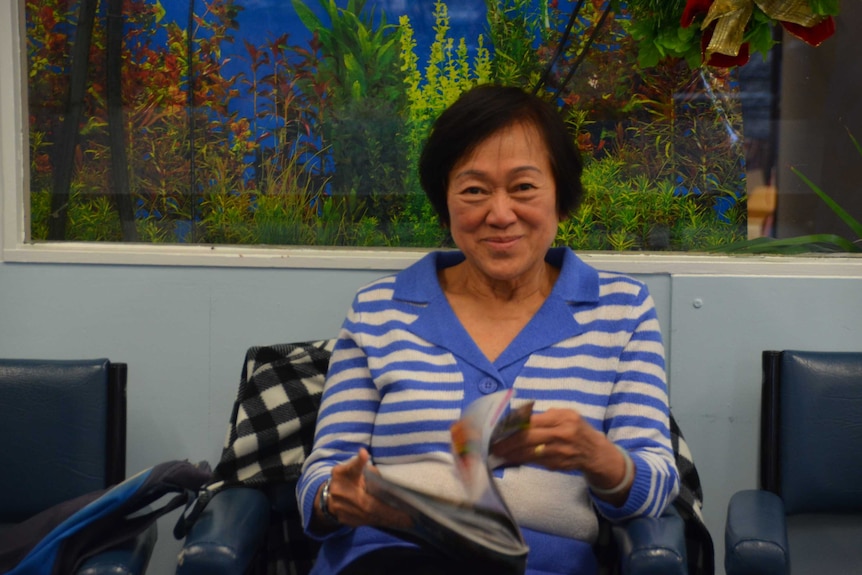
point(842, 265)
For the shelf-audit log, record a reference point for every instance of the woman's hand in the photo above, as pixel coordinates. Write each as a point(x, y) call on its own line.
point(351, 504)
point(561, 440)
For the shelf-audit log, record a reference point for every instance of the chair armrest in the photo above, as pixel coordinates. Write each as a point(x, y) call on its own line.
point(755, 534)
point(653, 545)
point(130, 558)
point(228, 533)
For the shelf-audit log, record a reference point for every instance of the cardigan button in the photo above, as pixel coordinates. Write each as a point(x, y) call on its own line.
point(488, 385)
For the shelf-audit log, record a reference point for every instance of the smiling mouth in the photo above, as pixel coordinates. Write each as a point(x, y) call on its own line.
point(501, 242)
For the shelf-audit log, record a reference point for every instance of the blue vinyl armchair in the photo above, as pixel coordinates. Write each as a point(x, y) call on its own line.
point(63, 435)
point(250, 517)
point(808, 513)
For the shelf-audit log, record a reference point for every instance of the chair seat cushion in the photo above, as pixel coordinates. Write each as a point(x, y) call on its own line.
point(824, 543)
point(129, 558)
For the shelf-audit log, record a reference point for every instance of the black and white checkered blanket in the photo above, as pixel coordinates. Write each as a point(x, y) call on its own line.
point(271, 431)
point(689, 504)
point(272, 424)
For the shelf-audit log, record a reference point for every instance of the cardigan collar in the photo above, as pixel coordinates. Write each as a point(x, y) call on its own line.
point(577, 284)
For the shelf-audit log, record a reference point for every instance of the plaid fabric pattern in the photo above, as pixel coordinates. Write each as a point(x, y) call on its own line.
point(689, 504)
point(271, 426)
point(271, 431)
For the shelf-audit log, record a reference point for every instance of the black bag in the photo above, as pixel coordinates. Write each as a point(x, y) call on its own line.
point(57, 540)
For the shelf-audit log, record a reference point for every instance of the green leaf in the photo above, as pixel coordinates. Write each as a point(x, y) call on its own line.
point(824, 7)
point(357, 90)
point(331, 9)
point(355, 7)
point(306, 16)
point(833, 205)
point(814, 243)
point(855, 142)
point(326, 38)
point(351, 64)
point(648, 55)
point(694, 59)
point(759, 37)
point(391, 45)
point(160, 11)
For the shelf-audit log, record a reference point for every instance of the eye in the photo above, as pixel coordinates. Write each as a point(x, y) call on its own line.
point(472, 191)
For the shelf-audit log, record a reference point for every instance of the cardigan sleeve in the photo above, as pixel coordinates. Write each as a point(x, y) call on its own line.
point(637, 417)
point(345, 420)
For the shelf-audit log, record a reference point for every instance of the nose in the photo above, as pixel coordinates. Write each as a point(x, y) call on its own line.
point(501, 211)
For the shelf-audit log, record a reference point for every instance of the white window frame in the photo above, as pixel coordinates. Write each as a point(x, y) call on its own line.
point(14, 217)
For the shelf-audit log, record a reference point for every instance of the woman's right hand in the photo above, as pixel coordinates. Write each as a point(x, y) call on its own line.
point(352, 504)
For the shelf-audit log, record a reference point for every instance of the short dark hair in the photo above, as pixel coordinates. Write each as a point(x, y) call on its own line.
point(480, 113)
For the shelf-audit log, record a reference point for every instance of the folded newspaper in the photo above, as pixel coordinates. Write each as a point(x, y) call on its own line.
point(479, 528)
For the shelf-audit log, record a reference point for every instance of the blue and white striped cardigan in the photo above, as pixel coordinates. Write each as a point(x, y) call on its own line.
point(404, 368)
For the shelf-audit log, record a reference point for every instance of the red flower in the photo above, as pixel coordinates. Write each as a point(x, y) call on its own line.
point(43, 163)
point(47, 15)
point(693, 9)
point(814, 35)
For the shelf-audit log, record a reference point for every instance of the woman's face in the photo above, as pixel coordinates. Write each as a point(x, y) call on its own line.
point(502, 202)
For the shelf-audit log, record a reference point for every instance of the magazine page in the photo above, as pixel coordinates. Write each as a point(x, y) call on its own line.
point(482, 526)
point(455, 527)
point(487, 420)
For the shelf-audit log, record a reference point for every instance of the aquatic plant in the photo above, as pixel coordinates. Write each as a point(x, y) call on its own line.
point(359, 94)
point(621, 212)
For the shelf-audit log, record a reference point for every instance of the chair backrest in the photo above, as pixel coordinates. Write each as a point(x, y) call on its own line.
point(62, 431)
point(811, 445)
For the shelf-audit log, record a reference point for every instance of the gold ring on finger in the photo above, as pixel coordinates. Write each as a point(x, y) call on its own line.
point(539, 450)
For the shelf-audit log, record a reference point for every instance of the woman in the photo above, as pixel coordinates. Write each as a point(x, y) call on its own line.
point(504, 310)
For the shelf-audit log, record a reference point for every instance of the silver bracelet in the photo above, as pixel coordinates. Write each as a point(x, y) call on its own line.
point(324, 502)
point(630, 472)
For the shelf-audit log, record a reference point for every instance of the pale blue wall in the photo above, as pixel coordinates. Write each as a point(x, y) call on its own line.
point(184, 331)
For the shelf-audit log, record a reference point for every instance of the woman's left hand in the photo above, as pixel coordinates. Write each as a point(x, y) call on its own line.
point(559, 439)
point(562, 440)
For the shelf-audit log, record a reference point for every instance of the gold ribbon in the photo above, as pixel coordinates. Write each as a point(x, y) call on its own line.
point(793, 11)
point(732, 16)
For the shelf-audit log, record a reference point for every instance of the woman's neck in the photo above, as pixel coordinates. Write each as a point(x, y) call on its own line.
point(465, 280)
